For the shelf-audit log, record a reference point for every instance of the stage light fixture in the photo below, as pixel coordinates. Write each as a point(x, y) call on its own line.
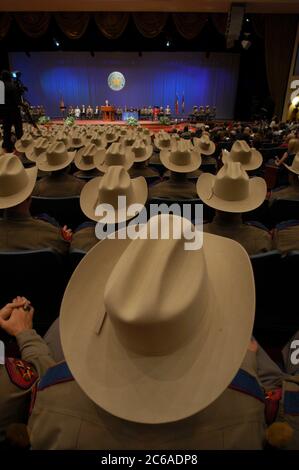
point(57, 43)
point(167, 43)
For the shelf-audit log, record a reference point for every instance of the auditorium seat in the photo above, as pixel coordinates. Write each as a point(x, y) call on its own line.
point(37, 275)
point(66, 210)
point(282, 210)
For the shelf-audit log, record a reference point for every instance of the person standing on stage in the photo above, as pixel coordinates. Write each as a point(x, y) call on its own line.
point(10, 111)
point(83, 112)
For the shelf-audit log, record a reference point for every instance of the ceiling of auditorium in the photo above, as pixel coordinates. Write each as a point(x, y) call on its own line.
point(253, 6)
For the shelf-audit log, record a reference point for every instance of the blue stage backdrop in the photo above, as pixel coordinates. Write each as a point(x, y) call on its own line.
point(154, 78)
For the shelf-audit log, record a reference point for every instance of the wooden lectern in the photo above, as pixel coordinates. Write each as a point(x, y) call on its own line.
point(108, 113)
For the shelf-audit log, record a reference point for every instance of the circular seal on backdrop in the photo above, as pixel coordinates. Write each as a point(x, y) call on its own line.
point(116, 81)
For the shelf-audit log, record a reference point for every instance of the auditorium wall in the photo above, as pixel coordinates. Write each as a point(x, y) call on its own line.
point(152, 78)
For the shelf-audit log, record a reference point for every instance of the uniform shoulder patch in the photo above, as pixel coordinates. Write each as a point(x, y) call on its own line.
point(21, 373)
point(57, 374)
point(247, 383)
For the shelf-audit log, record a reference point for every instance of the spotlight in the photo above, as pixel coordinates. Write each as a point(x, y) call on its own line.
point(57, 43)
point(247, 20)
point(167, 43)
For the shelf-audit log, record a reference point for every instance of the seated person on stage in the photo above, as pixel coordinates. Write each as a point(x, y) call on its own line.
point(83, 111)
point(142, 152)
point(18, 229)
point(178, 186)
point(167, 111)
point(89, 112)
point(19, 376)
point(105, 190)
point(96, 113)
point(77, 112)
point(56, 161)
point(76, 404)
point(291, 191)
point(232, 193)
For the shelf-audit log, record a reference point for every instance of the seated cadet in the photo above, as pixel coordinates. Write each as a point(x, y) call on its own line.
point(85, 161)
point(56, 161)
point(286, 236)
point(20, 376)
point(186, 134)
point(155, 350)
point(249, 158)
point(18, 229)
point(142, 153)
point(231, 193)
point(180, 160)
point(105, 190)
point(291, 191)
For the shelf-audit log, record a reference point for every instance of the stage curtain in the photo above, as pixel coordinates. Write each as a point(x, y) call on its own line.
point(33, 24)
point(280, 34)
point(258, 23)
point(220, 22)
point(5, 21)
point(73, 25)
point(111, 25)
point(150, 24)
point(189, 25)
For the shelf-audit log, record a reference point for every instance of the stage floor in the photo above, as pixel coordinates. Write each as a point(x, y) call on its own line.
point(153, 125)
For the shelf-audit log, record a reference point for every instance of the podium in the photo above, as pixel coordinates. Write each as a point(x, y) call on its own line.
point(108, 113)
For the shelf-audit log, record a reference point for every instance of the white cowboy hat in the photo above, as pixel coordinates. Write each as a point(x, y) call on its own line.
point(76, 140)
point(16, 182)
point(162, 141)
point(158, 344)
point(231, 190)
point(294, 168)
point(25, 143)
point(250, 158)
point(88, 157)
point(116, 154)
point(106, 190)
point(204, 144)
point(56, 158)
point(64, 138)
point(181, 158)
point(111, 135)
point(98, 140)
point(40, 147)
point(141, 151)
point(129, 139)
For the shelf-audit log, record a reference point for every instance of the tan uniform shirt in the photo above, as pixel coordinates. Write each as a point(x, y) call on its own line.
point(65, 418)
point(27, 233)
point(18, 378)
point(253, 239)
point(58, 185)
point(286, 237)
point(290, 192)
point(84, 239)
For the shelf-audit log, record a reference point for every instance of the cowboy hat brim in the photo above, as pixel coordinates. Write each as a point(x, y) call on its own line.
point(158, 389)
point(194, 164)
point(42, 163)
point(257, 194)
point(19, 197)
point(160, 147)
point(20, 148)
point(89, 200)
point(255, 161)
point(296, 172)
point(148, 154)
point(78, 161)
point(209, 151)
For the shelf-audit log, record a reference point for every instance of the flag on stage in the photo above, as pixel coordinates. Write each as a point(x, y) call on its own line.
point(183, 103)
point(176, 104)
